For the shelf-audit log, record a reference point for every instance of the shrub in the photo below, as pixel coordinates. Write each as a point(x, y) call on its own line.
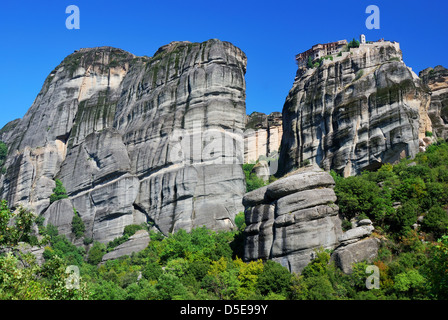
point(15, 226)
point(435, 221)
point(78, 226)
point(406, 216)
point(353, 44)
point(3, 154)
point(274, 278)
point(59, 192)
point(96, 253)
point(240, 221)
point(131, 229)
point(252, 180)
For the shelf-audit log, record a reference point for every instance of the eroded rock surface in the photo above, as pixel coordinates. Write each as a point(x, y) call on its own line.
point(364, 108)
point(134, 139)
point(437, 81)
point(293, 216)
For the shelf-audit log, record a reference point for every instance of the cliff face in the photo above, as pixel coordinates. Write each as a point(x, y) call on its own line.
point(134, 139)
point(362, 109)
point(262, 136)
point(437, 81)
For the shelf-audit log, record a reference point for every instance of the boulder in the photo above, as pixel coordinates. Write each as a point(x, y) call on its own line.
point(363, 250)
point(288, 220)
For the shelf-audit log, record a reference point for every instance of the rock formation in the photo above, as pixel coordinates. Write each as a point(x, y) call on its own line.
point(437, 81)
point(355, 112)
point(134, 139)
point(289, 219)
point(262, 136)
point(137, 242)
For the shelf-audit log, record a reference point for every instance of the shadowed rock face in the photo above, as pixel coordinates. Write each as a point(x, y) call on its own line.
point(135, 139)
point(363, 109)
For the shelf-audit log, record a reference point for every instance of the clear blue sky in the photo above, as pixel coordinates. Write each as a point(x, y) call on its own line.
point(34, 38)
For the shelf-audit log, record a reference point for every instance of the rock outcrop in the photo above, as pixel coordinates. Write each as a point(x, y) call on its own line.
point(437, 81)
point(262, 136)
point(289, 219)
point(355, 112)
point(137, 242)
point(134, 139)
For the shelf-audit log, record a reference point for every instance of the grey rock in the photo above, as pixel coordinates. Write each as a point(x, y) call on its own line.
point(437, 81)
point(297, 218)
point(364, 222)
point(25, 248)
point(288, 229)
point(356, 233)
point(261, 170)
point(262, 136)
point(364, 250)
point(122, 134)
point(60, 214)
point(292, 203)
point(355, 113)
point(255, 197)
point(138, 242)
point(309, 179)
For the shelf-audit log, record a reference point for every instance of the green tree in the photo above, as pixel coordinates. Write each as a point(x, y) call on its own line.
point(59, 192)
point(96, 252)
point(152, 271)
point(3, 154)
point(310, 62)
point(274, 279)
point(436, 221)
point(437, 269)
point(405, 216)
point(78, 227)
point(169, 287)
point(15, 225)
point(253, 182)
point(353, 44)
point(359, 196)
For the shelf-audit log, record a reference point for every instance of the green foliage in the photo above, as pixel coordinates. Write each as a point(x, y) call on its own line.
point(435, 221)
point(59, 192)
point(252, 181)
point(96, 252)
point(274, 279)
point(353, 44)
point(78, 227)
point(34, 282)
point(310, 62)
point(437, 269)
point(240, 221)
point(128, 231)
point(359, 196)
point(3, 154)
point(15, 225)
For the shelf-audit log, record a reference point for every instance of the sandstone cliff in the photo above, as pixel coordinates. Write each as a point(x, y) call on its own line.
point(364, 108)
point(134, 139)
point(437, 81)
point(262, 136)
